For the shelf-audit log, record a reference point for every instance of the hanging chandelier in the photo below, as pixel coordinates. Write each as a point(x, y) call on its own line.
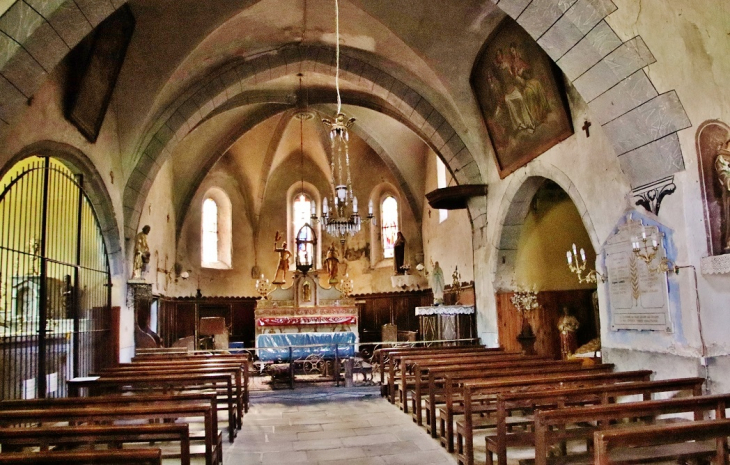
point(336, 218)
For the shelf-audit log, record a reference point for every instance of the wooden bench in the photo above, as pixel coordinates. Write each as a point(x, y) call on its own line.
point(479, 396)
point(435, 372)
point(160, 383)
point(244, 365)
point(103, 413)
point(144, 370)
point(398, 367)
point(45, 437)
point(242, 360)
point(381, 355)
point(507, 404)
point(113, 402)
point(86, 457)
point(388, 366)
point(580, 423)
point(408, 364)
point(704, 440)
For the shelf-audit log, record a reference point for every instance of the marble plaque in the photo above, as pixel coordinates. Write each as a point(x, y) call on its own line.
point(638, 293)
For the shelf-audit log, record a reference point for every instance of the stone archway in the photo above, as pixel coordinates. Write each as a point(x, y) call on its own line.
point(398, 100)
point(94, 187)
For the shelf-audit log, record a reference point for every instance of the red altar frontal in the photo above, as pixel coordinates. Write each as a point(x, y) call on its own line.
point(305, 306)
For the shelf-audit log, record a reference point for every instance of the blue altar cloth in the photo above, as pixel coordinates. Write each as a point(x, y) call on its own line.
point(275, 347)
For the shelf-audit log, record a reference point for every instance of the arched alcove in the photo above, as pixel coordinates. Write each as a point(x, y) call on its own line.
point(541, 225)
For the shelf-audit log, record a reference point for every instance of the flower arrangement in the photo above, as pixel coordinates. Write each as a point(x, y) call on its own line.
point(525, 301)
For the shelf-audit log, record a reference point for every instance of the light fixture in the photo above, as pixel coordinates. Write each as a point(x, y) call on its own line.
point(335, 218)
point(263, 287)
point(646, 252)
point(577, 265)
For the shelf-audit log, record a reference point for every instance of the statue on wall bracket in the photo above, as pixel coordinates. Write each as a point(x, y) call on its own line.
point(284, 256)
point(141, 253)
point(332, 264)
point(722, 168)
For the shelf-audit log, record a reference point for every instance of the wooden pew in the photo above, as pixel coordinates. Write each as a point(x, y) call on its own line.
point(557, 426)
point(427, 373)
point(473, 392)
point(388, 367)
point(201, 362)
point(96, 414)
point(382, 355)
point(45, 437)
point(408, 364)
point(680, 442)
point(86, 457)
point(112, 402)
point(192, 356)
point(508, 403)
point(398, 363)
point(163, 383)
point(143, 370)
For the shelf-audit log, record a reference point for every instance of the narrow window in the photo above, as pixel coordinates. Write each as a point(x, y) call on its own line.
point(389, 214)
point(210, 231)
point(441, 180)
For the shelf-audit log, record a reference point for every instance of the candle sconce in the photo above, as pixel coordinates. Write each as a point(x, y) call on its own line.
point(577, 265)
point(263, 287)
point(346, 285)
point(646, 249)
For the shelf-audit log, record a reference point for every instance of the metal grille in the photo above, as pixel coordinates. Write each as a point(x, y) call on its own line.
point(55, 287)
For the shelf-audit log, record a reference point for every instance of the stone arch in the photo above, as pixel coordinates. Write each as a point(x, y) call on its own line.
point(513, 211)
point(607, 72)
point(218, 90)
point(94, 186)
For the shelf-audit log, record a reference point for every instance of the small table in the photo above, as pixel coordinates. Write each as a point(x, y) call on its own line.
point(446, 322)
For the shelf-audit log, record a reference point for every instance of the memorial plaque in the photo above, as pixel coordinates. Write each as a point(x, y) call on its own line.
point(638, 294)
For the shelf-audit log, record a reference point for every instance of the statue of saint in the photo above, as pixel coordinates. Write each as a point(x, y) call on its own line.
point(331, 264)
point(568, 325)
point(437, 284)
point(399, 253)
point(722, 167)
point(141, 253)
point(284, 256)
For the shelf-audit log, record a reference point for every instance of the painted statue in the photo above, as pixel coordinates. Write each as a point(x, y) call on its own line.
point(332, 263)
point(141, 253)
point(284, 256)
point(568, 325)
point(399, 253)
point(722, 167)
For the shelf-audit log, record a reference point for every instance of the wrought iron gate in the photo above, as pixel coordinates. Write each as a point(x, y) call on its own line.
point(55, 284)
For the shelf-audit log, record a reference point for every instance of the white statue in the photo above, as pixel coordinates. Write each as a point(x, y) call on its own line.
point(437, 284)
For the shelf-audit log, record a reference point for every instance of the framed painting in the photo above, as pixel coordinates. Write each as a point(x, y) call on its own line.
point(521, 96)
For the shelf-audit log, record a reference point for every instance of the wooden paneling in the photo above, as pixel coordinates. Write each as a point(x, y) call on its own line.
point(177, 317)
point(398, 308)
point(544, 321)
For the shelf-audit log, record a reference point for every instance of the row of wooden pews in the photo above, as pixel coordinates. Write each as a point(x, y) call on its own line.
point(523, 401)
point(166, 397)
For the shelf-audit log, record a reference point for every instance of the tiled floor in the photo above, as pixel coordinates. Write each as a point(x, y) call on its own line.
point(353, 426)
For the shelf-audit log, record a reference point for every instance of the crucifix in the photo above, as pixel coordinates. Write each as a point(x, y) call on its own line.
point(586, 128)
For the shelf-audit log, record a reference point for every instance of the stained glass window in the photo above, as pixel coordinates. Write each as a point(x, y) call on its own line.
point(441, 180)
point(389, 215)
point(301, 214)
point(210, 231)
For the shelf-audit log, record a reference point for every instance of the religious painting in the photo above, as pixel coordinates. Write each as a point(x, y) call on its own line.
point(521, 95)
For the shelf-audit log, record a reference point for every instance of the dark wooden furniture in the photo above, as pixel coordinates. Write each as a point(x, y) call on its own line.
point(513, 405)
point(398, 308)
point(45, 437)
point(86, 457)
point(699, 440)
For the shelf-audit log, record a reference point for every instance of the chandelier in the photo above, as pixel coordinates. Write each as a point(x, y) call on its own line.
point(336, 219)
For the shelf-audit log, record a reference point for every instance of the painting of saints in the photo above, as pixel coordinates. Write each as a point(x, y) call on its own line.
point(520, 93)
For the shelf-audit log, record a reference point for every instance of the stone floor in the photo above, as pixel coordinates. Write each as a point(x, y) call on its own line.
point(329, 425)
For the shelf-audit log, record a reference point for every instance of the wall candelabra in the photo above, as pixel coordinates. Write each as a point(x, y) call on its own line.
point(577, 265)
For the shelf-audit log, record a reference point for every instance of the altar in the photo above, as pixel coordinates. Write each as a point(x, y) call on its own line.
point(306, 308)
point(446, 322)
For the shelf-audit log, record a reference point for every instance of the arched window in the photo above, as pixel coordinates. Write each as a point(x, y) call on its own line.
point(441, 180)
point(216, 230)
point(210, 231)
point(389, 220)
point(301, 212)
